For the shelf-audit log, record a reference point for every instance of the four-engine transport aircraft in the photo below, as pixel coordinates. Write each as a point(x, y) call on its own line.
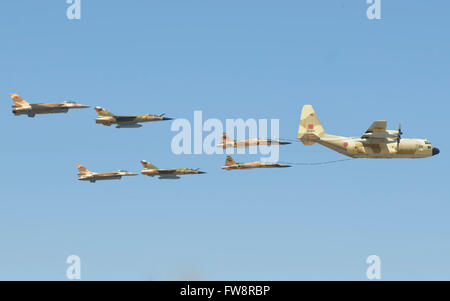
point(230, 164)
point(227, 142)
point(22, 107)
point(86, 175)
point(169, 174)
point(376, 142)
point(107, 118)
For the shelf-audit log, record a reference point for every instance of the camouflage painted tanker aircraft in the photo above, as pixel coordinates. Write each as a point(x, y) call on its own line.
point(86, 175)
point(376, 142)
point(230, 164)
point(167, 174)
point(107, 118)
point(227, 142)
point(22, 107)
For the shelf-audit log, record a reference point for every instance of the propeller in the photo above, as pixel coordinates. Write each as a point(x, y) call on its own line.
point(399, 134)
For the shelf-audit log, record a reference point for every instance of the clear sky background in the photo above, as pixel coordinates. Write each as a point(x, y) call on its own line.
point(230, 59)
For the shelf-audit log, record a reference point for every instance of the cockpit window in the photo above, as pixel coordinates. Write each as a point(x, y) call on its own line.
point(73, 102)
point(427, 142)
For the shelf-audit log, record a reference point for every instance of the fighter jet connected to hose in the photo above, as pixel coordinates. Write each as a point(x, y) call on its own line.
point(86, 175)
point(169, 174)
point(22, 107)
point(107, 118)
point(230, 164)
point(376, 142)
point(227, 142)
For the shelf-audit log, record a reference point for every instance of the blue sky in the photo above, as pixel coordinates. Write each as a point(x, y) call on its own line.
point(230, 59)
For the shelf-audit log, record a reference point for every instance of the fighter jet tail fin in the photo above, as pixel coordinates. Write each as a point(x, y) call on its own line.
point(83, 170)
point(229, 161)
point(19, 102)
point(102, 112)
point(310, 129)
point(226, 139)
point(148, 165)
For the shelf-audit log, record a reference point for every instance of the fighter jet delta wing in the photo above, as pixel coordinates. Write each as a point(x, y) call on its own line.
point(167, 174)
point(108, 118)
point(22, 107)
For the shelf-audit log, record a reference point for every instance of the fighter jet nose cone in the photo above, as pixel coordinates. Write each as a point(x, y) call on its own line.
point(201, 172)
point(167, 118)
point(436, 151)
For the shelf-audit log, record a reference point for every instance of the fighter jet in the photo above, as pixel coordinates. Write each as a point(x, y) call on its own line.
point(230, 164)
point(107, 118)
point(227, 142)
point(22, 107)
point(167, 174)
point(376, 142)
point(86, 175)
